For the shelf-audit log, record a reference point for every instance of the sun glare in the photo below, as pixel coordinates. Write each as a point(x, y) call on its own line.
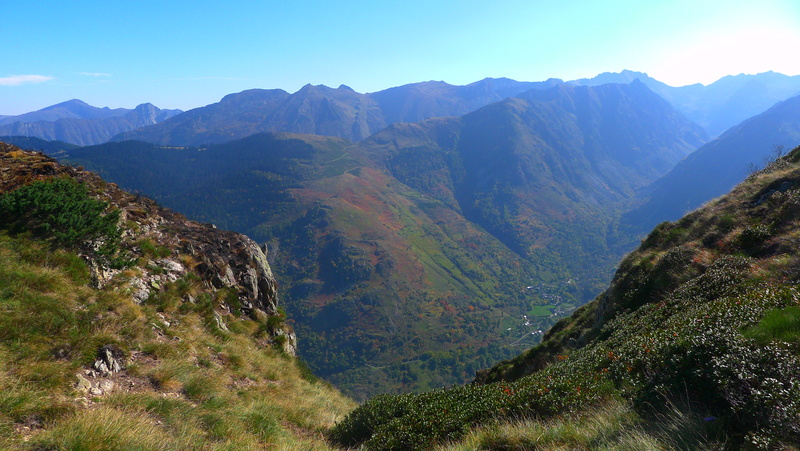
point(714, 55)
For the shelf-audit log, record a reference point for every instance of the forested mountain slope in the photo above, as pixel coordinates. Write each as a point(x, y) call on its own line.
point(694, 344)
point(545, 171)
point(391, 290)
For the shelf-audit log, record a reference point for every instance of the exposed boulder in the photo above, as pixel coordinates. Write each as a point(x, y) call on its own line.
point(109, 360)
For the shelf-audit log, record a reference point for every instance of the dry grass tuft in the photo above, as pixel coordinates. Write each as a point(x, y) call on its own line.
point(612, 426)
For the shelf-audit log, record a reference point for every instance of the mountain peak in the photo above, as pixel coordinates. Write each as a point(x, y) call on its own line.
point(633, 73)
point(146, 106)
point(72, 103)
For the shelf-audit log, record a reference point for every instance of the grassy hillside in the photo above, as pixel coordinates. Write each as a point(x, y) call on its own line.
point(186, 366)
point(694, 345)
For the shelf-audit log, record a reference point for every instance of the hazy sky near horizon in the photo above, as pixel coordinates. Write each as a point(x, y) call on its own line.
point(186, 54)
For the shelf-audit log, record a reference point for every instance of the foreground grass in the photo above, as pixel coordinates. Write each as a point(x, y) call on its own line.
point(611, 425)
point(187, 384)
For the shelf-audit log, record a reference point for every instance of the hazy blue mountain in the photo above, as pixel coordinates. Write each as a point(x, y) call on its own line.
point(321, 110)
point(312, 109)
point(544, 171)
point(98, 125)
point(71, 109)
point(418, 101)
point(720, 105)
point(716, 167)
point(235, 116)
point(624, 77)
point(734, 98)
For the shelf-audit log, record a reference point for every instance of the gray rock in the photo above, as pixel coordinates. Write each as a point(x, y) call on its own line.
point(139, 290)
point(106, 386)
point(107, 363)
point(219, 322)
point(171, 266)
point(83, 385)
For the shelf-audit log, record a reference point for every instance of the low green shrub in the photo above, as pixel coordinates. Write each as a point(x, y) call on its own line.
point(754, 236)
point(726, 223)
point(151, 249)
point(61, 210)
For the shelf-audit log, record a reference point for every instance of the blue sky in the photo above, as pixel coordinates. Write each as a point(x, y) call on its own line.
point(185, 54)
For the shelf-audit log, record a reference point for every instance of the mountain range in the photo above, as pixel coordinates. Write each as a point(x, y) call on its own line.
point(719, 105)
point(75, 122)
point(516, 209)
point(344, 113)
point(320, 110)
point(425, 236)
point(354, 116)
point(71, 109)
point(715, 168)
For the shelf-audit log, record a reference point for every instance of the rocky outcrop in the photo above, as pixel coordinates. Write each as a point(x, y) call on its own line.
point(167, 246)
point(221, 259)
point(108, 360)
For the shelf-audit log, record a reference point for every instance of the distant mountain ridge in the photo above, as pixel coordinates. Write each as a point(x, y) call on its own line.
point(71, 109)
point(345, 113)
point(716, 167)
point(354, 116)
point(321, 110)
point(76, 122)
point(418, 101)
point(720, 105)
